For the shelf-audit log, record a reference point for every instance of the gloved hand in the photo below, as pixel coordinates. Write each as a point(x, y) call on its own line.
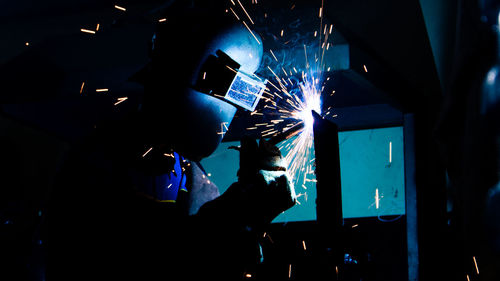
point(240, 214)
point(255, 157)
point(264, 187)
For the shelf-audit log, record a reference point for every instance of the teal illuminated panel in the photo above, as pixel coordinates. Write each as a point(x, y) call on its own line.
point(223, 165)
point(372, 172)
point(372, 175)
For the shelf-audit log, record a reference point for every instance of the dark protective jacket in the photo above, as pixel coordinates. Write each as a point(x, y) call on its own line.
point(101, 226)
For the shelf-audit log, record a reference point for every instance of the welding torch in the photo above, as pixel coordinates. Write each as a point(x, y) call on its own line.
point(292, 131)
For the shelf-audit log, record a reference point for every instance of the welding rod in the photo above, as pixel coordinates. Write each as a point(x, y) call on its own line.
point(292, 131)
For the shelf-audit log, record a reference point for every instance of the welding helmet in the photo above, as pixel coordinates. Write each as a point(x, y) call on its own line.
point(202, 70)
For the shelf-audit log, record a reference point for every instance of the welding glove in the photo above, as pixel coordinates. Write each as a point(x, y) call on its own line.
point(235, 220)
point(264, 188)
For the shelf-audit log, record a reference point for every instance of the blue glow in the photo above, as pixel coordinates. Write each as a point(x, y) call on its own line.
point(311, 100)
point(307, 117)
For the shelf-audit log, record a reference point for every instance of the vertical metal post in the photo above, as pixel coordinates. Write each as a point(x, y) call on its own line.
point(329, 196)
point(411, 197)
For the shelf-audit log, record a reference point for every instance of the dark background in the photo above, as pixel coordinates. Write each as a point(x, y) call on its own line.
point(415, 51)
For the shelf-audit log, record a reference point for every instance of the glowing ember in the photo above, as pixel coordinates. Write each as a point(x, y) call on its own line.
point(120, 100)
point(120, 8)
point(146, 153)
point(475, 264)
point(390, 152)
point(81, 88)
point(87, 31)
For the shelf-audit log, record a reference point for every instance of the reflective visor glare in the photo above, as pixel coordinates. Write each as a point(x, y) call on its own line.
point(245, 91)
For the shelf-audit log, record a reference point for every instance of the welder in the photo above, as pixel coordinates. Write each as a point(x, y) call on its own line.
point(133, 201)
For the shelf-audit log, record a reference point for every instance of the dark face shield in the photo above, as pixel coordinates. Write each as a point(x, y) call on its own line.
point(220, 77)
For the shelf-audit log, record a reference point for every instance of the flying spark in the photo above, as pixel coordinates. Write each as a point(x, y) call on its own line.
point(87, 31)
point(475, 264)
point(120, 8)
point(223, 129)
point(120, 100)
point(234, 13)
point(244, 10)
point(268, 237)
point(390, 152)
point(146, 153)
point(255, 37)
point(81, 88)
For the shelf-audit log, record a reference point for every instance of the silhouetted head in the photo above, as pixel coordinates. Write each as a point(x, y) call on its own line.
point(195, 56)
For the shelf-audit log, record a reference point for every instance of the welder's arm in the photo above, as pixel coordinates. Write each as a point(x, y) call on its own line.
point(226, 229)
point(262, 192)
